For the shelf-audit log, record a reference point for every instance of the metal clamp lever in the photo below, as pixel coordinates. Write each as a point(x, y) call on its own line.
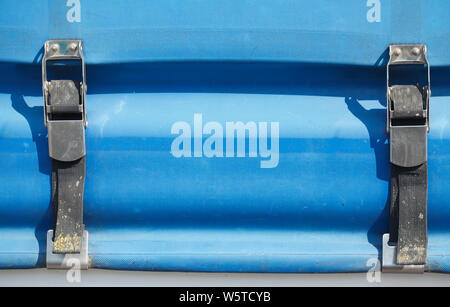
point(405, 247)
point(65, 119)
point(409, 54)
point(64, 102)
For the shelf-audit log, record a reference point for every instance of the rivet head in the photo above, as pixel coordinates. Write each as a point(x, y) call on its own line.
point(415, 51)
point(397, 51)
point(54, 47)
point(73, 47)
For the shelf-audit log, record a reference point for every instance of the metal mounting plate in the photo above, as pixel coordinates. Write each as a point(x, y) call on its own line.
point(407, 54)
point(63, 49)
point(389, 260)
point(67, 261)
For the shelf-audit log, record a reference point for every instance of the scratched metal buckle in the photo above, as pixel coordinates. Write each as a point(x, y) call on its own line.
point(61, 50)
point(408, 54)
point(64, 133)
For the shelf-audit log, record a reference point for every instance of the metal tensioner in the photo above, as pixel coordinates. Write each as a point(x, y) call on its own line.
point(62, 98)
point(405, 246)
point(65, 119)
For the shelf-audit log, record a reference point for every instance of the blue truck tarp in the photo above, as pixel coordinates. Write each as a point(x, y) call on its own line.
point(309, 77)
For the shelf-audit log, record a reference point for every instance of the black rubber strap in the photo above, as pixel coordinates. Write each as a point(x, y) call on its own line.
point(408, 213)
point(66, 146)
point(67, 199)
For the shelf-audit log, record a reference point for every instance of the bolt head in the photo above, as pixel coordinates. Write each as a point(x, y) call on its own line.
point(415, 51)
point(54, 47)
point(397, 52)
point(73, 47)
